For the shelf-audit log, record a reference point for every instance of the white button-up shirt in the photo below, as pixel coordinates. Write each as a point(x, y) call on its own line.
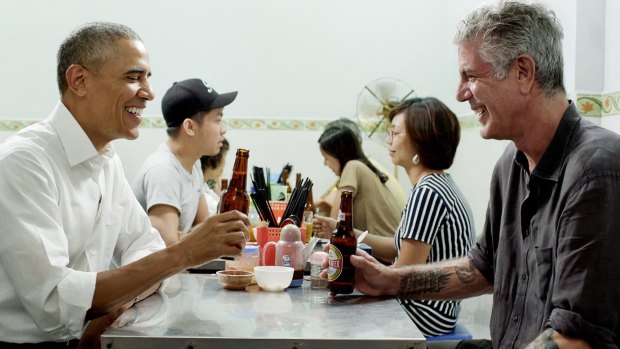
point(66, 213)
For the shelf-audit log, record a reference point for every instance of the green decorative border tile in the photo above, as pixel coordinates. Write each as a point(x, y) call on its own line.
point(591, 105)
point(588, 105)
point(468, 121)
point(611, 104)
point(14, 125)
point(599, 105)
point(239, 124)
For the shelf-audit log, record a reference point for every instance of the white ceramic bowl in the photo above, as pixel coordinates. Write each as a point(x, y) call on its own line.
point(273, 278)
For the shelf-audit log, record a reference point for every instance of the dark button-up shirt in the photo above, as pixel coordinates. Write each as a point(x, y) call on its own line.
point(551, 242)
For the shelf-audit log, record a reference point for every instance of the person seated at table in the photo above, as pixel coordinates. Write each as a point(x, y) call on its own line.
point(212, 169)
point(67, 211)
point(548, 252)
point(169, 185)
point(378, 198)
point(326, 204)
point(437, 222)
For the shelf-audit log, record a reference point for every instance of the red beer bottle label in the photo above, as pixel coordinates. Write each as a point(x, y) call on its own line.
point(336, 263)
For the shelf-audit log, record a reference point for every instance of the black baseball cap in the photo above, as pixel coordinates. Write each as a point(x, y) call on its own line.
point(185, 98)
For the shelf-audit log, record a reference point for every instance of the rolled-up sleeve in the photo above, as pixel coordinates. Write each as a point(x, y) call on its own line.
point(586, 286)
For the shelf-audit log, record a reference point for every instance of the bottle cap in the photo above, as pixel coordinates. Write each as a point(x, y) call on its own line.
point(290, 233)
point(250, 249)
point(318, 257)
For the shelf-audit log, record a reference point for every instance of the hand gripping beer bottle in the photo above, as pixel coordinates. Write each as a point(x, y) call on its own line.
point(236, 197)
point(341, 273)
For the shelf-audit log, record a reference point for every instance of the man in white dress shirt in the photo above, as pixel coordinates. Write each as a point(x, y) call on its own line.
point(68, 213)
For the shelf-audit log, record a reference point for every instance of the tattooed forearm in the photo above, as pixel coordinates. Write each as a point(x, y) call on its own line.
point(429, 281)
point(466, 273)
point(544, 341)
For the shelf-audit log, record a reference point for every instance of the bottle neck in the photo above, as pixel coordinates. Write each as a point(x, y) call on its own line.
point(345, 216)
point(239, 176)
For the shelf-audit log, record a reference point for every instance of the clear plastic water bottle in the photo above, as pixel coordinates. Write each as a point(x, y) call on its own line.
point(316, 259)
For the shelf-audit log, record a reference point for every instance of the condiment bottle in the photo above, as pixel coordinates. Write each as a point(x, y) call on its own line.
point(236, 197)
point(341, 273)
point(289, 252)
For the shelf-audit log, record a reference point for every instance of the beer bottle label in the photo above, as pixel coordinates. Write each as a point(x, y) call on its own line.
point(340, 216)
point(336, 262)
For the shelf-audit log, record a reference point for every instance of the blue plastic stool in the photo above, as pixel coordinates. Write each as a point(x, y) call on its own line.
point(460, 332)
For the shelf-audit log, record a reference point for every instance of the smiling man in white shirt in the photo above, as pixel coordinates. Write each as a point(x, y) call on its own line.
point(68, 213)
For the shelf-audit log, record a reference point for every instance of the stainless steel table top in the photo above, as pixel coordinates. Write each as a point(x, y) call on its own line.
point(194, 311)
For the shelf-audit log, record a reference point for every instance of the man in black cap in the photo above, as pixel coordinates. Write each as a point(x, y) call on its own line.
point(169, 184)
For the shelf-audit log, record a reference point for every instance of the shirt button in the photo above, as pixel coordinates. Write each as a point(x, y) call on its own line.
point(515, 319)
point(523, 276)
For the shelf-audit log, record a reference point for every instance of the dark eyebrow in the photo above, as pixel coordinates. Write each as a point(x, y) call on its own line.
point(138, 71)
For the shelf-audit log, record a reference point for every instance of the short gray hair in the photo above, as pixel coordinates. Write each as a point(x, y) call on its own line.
point(508, 29)
point(90, 45)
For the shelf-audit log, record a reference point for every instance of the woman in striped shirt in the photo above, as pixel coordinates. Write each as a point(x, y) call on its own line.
point(436, 223)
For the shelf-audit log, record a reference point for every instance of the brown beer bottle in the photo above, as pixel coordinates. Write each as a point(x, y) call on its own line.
point(343, 244)
point(236, 197)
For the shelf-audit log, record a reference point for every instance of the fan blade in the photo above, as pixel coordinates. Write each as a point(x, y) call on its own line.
point(376, 127)
point(374, 95)
point(407, 95)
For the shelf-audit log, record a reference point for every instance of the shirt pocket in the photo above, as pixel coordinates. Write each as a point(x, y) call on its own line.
point(544, 263)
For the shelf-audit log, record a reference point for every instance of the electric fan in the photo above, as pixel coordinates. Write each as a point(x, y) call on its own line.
point(374, 104)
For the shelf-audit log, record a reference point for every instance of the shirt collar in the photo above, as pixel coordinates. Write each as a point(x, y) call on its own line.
point(550, 165)
point(76, 143)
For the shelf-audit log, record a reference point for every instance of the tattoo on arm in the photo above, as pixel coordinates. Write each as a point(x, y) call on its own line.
point(466, 273)
point(544, 341)
point(430, 281)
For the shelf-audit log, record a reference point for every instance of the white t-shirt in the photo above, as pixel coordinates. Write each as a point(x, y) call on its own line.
point(162, 180)
point(66, 213)
point(212, 199)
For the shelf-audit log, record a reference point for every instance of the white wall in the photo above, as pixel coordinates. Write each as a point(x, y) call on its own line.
point(612, 48)
point(288, 59)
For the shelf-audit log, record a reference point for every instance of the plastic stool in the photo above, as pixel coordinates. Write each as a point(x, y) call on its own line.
point(460, 332)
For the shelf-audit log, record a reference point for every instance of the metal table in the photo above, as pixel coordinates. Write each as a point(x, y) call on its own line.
point(194, 311)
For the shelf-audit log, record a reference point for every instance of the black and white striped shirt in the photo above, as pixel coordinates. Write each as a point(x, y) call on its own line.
point(436, 214)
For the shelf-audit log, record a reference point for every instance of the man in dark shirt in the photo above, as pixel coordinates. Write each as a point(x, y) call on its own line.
point(549, 249)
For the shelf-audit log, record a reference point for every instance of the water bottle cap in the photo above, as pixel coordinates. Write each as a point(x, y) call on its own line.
point(250, 249)
point(318, 257)
point(290, 233)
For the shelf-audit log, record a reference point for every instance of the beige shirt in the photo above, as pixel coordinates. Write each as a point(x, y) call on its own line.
point(377, 206)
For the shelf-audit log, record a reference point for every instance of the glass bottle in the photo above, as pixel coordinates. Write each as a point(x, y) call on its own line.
point(224, 185)
point(298, 180)
point(289, 190)
point(309, 213)
point(341, 273)
point(236, 197)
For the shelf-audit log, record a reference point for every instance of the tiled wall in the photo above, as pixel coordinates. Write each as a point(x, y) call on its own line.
point(599, 105)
